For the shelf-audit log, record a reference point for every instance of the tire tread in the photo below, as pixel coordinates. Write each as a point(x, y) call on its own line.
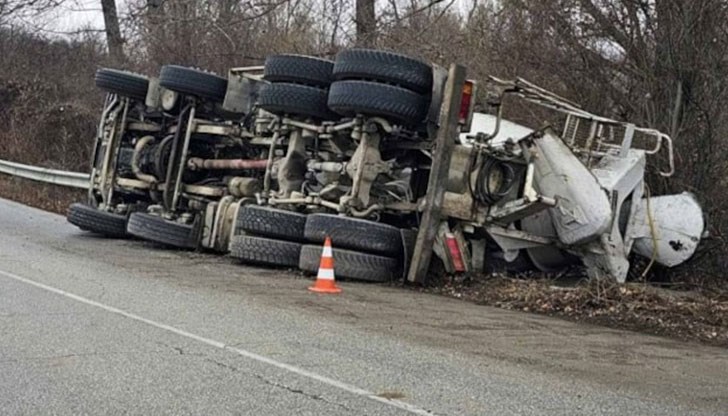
point(271, 222)
point(349, 98)
point(267, 251)
point(193, 81)
point(92, 219)
point(294, 99)
point(384, 66)
point(123, 83)
point(352, 264)
point(354, 233)
point(299, 69)
point(158, 230)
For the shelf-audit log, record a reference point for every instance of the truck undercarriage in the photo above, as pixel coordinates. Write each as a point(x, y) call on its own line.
point(384, 154)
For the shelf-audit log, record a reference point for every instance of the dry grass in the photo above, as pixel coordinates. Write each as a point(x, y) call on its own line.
point(636, 306)
point(47, 197)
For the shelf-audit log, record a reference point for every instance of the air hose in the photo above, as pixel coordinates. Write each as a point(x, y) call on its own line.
point(484, 191)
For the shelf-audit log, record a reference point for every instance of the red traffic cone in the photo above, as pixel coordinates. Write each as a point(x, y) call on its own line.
point(325, 280)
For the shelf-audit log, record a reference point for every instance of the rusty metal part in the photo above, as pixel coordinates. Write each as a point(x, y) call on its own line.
point(365, 213)
point(292, 168)
point(182, 155)
point(365, 165)
point(112, 100)
point(213, 191)
point(242, 187)
point(269, 161)
point(218, 223)
point(143, 142)
point(133, 183)
point(225, 222)
point(201, 126)
point(141, 126)
point(197, 163)
point(335, 167)
point(308, 200)
point(458, 176)
point(108, 174)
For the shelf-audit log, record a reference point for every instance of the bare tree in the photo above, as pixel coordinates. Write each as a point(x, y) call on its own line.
point(113, 33)
point(366, 23)
point(18, 8)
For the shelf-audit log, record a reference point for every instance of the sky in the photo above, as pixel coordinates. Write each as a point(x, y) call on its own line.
point(71, 16)
point(74, 15)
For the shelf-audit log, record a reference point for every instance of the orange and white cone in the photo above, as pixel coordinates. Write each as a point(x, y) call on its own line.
point(325, 280)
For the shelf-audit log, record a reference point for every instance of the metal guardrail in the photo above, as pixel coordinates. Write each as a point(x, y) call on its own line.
point(52, 176)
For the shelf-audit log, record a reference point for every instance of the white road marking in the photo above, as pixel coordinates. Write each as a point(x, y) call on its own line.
point(221, 345)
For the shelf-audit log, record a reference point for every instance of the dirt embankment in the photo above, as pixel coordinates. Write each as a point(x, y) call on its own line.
point(690, 315)
point(47, 197)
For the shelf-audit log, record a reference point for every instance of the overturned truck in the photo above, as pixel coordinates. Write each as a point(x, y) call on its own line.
point(384, 154)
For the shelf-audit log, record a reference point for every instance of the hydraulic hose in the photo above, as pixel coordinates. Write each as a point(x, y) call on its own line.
point(485, 167)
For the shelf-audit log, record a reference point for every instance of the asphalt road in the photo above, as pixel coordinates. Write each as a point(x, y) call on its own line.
point(99, 326)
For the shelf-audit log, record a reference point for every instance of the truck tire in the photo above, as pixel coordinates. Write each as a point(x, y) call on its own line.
point(192, 81)
point(259, 250)
point(354, 233)
point(352, 264)
point(298, 69)
point(349, 98)
point(294, 99)
point(123, 83)
point(159, 230)
point(382, 66)
point(97, 221)
point(271, 222)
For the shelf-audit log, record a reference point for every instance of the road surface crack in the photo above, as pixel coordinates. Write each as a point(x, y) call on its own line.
point(301, 392)
point(179, 350)
point(282, 386)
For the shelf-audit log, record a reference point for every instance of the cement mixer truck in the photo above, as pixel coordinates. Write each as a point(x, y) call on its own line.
point(561, 194)
point(385, 154)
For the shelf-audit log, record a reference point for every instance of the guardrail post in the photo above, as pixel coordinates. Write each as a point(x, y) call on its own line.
point(444, 142)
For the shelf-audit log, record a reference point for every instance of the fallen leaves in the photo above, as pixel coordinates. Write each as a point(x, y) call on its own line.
point(634, 306)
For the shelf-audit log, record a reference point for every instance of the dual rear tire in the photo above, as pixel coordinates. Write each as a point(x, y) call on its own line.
point(268, 236)
point(380, 83)
point(365, 250)
point(360, 81)
point(298, 86)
